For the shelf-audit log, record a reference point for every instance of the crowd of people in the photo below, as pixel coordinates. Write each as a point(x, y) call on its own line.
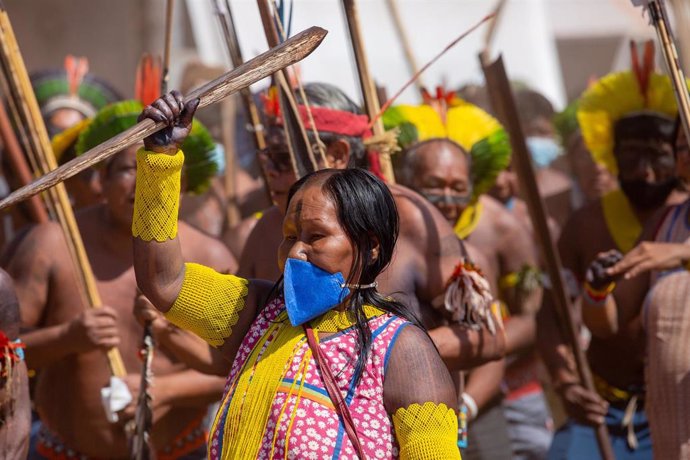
point(346, 316)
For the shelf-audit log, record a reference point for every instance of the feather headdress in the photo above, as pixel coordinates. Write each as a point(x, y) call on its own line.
point(72, 87)
point(447, 116)
point(113, 119)
point(619, 95)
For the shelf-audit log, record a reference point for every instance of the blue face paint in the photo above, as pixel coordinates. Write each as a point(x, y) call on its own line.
point(543, 150)
point(309, 291)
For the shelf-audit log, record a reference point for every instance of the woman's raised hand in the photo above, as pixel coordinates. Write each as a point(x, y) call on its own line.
point(178, 116)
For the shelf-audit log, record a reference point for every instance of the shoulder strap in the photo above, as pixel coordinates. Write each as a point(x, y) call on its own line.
point(333, 391)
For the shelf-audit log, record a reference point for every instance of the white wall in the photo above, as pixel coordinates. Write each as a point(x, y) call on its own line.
point(526, 37)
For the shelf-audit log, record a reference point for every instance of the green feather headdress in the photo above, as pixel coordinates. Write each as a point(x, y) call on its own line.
point(198, 148)
point(72, 88)
point(481, 135)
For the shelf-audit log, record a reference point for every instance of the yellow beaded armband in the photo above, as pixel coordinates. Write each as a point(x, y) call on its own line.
point(209, 303)
point(427, 432)
point(157, 196)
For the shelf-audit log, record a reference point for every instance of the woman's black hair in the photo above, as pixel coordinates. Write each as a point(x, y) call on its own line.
point(368, 215)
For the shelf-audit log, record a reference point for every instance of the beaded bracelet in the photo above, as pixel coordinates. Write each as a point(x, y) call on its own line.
point(598, 296)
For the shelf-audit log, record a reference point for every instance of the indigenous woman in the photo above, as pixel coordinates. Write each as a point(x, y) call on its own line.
point(324, 366)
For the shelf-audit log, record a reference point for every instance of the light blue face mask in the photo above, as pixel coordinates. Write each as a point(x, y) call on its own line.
point(543, 150)
point(218, 157)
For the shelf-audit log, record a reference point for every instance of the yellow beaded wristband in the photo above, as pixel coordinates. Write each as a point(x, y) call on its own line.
point(157, 196)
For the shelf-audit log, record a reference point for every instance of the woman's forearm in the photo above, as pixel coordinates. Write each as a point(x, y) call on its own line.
point(158, 262)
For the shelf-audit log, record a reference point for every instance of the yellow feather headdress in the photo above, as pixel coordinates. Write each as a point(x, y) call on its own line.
point(618, 95)
point(480, 134)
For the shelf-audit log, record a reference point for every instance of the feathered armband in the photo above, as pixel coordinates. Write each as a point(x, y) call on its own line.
point(468, 298)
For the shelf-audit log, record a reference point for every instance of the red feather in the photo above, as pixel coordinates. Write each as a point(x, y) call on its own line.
point(75, 68)
point(642, 71)
point(147, 86)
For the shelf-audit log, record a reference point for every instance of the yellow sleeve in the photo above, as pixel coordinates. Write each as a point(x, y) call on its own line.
point(209, 303)
point(157, 195)
point(427, 432)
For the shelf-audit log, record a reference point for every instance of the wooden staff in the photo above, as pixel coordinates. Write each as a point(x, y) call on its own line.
point(503, 103)
point(227, 23)
point(18, 164)
point(254, 125)
point(490, 35)
point(405, 42)
point(165, 77)
point(681, 13)
point(301, 153)
point(289, 52)
point(371, 101)
point(22, 95)
point(657, 11)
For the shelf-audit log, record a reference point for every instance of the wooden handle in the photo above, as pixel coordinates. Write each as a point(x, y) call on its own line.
point(503, 103)
point(289, 52)
point(371, 100)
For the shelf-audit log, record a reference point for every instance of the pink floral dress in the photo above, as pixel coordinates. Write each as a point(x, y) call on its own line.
point(306, 425)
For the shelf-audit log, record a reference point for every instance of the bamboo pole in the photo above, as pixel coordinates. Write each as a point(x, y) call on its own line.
point(491, 31)
point(657, 11)
point(412, 65)
point(254, 124)
point(366, 83)
point(681, 10)
point(503, 103)
point(165, 75)
point(18, 164)
point(289, 52)
point(21, 92)
point(301, 153)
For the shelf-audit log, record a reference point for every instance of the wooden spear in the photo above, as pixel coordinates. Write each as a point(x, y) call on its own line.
point(371, 101)
point(289, 52)
point(227, 23)
point(18, 164)
point(503, 103)
point(254, 125)
point(165, 76)
point(21, 92)
point(301, 153)
point(657, 11)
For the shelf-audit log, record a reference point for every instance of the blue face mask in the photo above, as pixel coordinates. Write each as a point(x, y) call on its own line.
point(309, 291)
point(543, 150)
point(218, 157)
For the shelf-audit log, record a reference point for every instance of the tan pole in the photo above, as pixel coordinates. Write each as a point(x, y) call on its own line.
point(301, 153)
point(404, 40)
point(366, 83)
point(21, 92)
point(503, 103)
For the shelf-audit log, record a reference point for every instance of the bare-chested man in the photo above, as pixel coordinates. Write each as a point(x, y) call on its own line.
point(426, 252)
point(659, 267)
point(66, 340)
point(66, 97)
point(591, 180)
point(441, 170)
point(15, 405)
point(638, 144)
